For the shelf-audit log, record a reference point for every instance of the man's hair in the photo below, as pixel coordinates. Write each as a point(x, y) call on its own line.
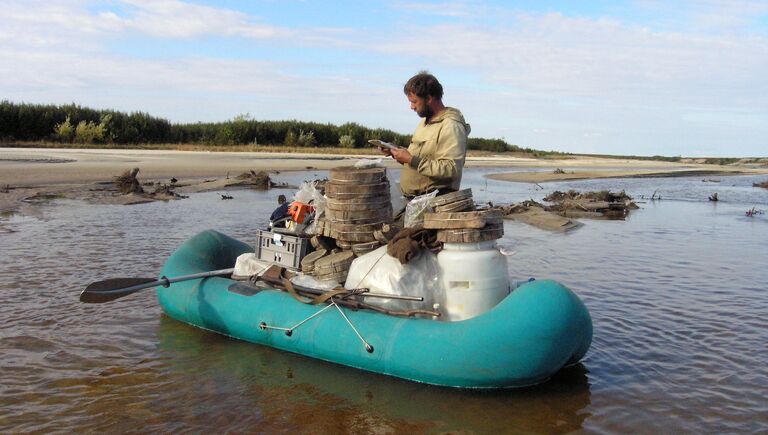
point(423, 85)
point(281, 199)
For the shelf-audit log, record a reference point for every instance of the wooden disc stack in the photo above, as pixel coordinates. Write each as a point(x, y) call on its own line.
point(456, 220)
point(308, 262)
point(452, 202)
point(333, 267)
point(357, 207)
point(357, 204)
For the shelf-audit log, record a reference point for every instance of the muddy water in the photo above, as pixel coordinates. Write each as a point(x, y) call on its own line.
point(678, 294)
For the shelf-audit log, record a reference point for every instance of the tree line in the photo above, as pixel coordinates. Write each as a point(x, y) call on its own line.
point(72, 123)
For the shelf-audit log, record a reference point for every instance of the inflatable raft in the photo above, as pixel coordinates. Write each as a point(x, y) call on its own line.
point(539, 328)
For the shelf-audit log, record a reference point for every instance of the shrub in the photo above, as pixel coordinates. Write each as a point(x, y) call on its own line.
point(346, 141)
point(303, 139)
point(290, 139)
point(306, 139)
point(65, 131)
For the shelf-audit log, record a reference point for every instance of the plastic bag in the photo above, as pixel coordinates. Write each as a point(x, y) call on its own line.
point(308, 194)
point(248, 265)
point(414, 211)
point(310, 281)
point(381, 273)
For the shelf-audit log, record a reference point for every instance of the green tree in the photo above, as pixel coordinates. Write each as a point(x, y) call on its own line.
point(65, 131)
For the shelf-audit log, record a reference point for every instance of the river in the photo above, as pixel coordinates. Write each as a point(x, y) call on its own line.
point(678, 294)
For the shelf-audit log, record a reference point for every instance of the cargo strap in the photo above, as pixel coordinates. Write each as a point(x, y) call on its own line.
point(340, 292)
point(289, 331)
point(321, 298)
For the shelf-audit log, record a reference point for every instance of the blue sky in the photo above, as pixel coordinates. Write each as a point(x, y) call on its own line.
point(641, 77)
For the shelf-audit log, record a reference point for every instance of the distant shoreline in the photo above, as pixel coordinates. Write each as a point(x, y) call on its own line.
point(46, 166)
point(544, 177)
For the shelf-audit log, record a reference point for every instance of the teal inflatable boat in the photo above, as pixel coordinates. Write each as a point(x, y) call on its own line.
point(538, 329)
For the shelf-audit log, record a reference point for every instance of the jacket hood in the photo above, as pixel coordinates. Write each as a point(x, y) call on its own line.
point(453, 114)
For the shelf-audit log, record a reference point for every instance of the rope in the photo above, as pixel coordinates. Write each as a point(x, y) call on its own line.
point(368, 347)
point(289, 331)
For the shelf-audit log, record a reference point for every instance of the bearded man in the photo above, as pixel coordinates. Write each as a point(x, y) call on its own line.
point(435, 157)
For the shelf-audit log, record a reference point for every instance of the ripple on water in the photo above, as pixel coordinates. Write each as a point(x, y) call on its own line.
point(677, 296)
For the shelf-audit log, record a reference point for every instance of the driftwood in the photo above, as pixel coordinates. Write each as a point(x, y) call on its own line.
point(601, 203)
point(165, 192)
point(258, 180)
point(128, 183)
point(568, 205)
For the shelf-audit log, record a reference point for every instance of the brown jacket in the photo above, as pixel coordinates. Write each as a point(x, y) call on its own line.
point(439, 148)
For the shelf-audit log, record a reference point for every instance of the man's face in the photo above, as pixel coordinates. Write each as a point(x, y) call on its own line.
point(420, 105)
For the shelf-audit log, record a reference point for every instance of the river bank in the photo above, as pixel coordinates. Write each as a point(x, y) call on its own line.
point(30, 175)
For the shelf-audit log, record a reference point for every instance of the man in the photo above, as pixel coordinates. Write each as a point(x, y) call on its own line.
point(435, 158)
point(280, 212)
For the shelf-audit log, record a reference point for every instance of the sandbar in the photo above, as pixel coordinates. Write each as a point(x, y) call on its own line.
point(30, 173)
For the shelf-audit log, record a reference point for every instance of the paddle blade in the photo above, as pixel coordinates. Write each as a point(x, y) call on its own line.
point(111, 289)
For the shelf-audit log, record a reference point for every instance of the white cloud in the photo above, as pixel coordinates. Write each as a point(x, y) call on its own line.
point(177, 19)
point(453, 9)
point(546, 81)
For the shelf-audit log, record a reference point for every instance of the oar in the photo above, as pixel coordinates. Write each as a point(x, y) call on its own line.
point(111, 289)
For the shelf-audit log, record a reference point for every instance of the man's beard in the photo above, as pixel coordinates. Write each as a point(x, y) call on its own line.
point(426, 113)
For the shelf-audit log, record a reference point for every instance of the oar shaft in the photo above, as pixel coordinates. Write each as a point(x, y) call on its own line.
point(108, 290)
point(219, 272)
point(165, 282)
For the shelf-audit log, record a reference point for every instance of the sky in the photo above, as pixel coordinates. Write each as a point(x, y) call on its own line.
point(642, 77)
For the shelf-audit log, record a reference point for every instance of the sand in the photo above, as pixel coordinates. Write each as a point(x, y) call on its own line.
point(30, 173)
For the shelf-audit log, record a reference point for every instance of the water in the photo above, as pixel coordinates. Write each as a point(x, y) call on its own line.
point(677, 293)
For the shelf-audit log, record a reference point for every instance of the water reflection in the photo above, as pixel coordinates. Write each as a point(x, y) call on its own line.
point(210, 363)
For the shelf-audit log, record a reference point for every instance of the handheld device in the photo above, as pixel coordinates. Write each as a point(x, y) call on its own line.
point(382, 144)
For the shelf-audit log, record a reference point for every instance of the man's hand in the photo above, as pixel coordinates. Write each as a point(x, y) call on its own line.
point(401, 155)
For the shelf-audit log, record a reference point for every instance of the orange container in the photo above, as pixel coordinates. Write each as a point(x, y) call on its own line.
point(299, 211)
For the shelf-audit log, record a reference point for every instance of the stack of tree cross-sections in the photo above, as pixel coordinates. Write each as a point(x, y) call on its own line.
point(357, 212)
point(457, 221)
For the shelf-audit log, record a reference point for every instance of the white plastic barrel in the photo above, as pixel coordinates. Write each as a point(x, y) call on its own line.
point(474, 279)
